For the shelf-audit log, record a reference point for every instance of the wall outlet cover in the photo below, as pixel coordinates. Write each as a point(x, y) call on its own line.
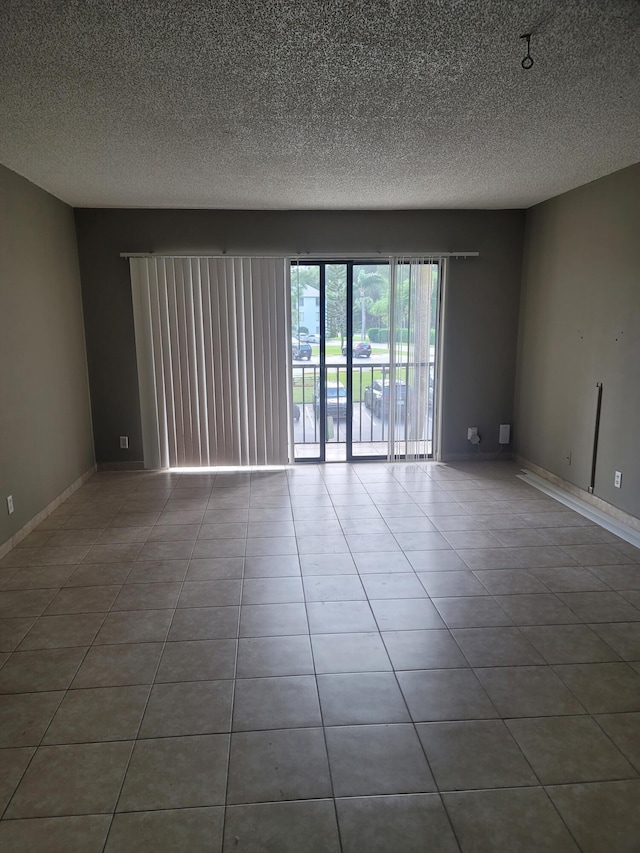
point(617, 480)
point(9, 504)
point(505, 434)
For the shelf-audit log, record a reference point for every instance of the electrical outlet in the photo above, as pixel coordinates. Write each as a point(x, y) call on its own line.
point(617, 480)
point(471, 431)
point(10, 504)
point(124, 442)
point(504, 436)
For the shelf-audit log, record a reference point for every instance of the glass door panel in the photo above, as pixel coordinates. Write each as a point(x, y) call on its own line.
point(368, 360)
point(306, 343)
point(363, 348)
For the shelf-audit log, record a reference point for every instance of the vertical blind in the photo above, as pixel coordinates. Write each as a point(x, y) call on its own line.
point(213, 350)
point(414, 285)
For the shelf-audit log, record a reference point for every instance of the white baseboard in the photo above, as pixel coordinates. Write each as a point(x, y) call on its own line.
point(26, 529)
point(615, 520)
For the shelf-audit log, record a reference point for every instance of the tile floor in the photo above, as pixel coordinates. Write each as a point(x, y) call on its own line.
point(330, 658)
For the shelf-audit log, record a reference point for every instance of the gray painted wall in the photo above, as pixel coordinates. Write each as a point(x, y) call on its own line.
point(579, 325)
point(481, 323)
point(45, 421)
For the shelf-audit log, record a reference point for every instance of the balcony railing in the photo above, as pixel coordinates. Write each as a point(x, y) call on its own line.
point(370, 412)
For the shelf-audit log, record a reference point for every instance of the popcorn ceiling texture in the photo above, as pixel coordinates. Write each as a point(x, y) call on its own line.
point(351, 104)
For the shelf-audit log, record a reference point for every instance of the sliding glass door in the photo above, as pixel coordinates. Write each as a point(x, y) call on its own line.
point(364, 352)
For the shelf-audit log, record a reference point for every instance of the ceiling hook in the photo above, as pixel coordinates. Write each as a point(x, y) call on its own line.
point(527, 62)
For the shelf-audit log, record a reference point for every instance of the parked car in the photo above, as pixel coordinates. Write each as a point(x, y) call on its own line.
point(300, 350)
point(376, 397)
point(361, 349)
point(313, 338)
point(335, 400)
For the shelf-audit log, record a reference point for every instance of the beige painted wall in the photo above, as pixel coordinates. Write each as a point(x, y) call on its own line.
point(45, 422)
point(580, 325)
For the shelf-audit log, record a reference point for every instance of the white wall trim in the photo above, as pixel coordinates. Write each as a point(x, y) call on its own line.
point(615, 520)
point(26, 529)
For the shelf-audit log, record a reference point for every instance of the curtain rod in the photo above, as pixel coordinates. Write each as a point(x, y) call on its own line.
point(307, 256)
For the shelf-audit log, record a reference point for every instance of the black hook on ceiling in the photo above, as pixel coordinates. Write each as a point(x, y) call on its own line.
point(527, 62)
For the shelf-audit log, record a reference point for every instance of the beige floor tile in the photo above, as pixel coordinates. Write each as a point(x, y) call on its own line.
point(32, 602)
point(544, 609)
point(445, 584)
point(596, 555)
point(569, 749)
point(619, 577)
point(147, 596)
point(600, 606)
point(273, 620)
point(86, 599)
point(205, 623)
point(488, 821)
point(62, 631)
point(333, 588)
point(271, 546)
point(98, 714)
point(85, 834)
point(272, 591)
point(528, 691)
point(176, 772)
point(13, 631)
point(276, 703)
point(112, 553)
point(288, 764)
point(100, 574)
point(381, 759)
point(14, 763)
point(568, 579)
point(24, 717)
point(472, 611)
point(361, 698)
point(39, 577)
point(272, 656)
point(222, 568)
point(76, 779)
point(490, 558)
point(496, 647)
point(217, 548)
point(445, 694)
point(569, 644)
point(412, 823)
point(623, 637)
point(349, 652)
point(474, 754)
point(602, 816)
point(603, 688)
point(188, 708)
point(197, 660)
point(158, 571)
point(510, 581)
point(196, 830)
point(293, 827)
point(406, 614)
point(41, 670)
point(434, 649)
point(333, 617)
point(134, 626)
point(119, 665)
point(624, 731)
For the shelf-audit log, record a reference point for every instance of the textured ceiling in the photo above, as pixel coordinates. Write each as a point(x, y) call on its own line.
point(317, 103)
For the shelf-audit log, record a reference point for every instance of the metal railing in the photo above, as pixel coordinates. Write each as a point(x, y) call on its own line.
point(370, 409)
